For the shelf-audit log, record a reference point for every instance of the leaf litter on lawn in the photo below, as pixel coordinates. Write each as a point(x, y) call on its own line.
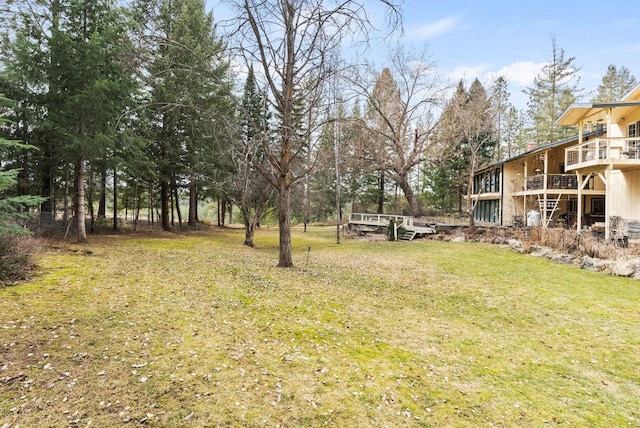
point(199, 330)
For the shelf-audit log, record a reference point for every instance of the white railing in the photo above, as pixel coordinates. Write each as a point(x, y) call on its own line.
point(380, 219)
point(603, 149)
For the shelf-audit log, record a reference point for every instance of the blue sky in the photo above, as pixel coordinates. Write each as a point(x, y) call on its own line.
point(488, 38)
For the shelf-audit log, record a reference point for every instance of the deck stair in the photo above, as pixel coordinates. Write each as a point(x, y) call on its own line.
point(408, 235)
point(362, 223)
point(552, 205)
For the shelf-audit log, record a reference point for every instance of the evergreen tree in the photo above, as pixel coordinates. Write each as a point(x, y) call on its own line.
point(190, 98)
point(616, 83)
point(13, 207)
point(466, 135)
point(513, 132)
point(554, 89)
point(451, 158)
point(440, 192)
point(249, 188)
point(70, 61)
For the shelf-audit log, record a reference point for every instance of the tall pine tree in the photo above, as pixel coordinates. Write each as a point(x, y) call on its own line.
point(248, 187)
point(189, 100)
point(71, 57)
point(554, 89)
point(616, 83)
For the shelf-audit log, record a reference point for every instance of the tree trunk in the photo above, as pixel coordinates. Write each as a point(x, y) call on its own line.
point(222, 213)
point(151, 204)
point(193, 203)
point(164, 204)
point(412, 199)
point(172, 206)
point(92, 218)
point(136, 206)
point(46, 207)
point(65, 200)
point(249, 227)
point(218, 206)
point(115, 202)
point(80, 213)
point(102, 204)
point(306, 209)
point(471, 207)
point(177, 200)
point(381, 193)
point(284, 222)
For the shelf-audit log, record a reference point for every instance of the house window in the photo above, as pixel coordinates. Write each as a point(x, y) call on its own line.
point(634, 131)
point(488, 182)
point(597, 206)
point(488, 211)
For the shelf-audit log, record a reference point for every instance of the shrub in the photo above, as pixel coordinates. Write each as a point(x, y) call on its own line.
point(578, 244)
point(401, 230)
point(16, 258)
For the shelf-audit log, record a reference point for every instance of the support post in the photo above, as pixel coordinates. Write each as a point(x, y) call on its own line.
point(607, 204)
point(580, 208)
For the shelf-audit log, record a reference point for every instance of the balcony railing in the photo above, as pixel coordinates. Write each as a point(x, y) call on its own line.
point(603, 150)
point(553, 181)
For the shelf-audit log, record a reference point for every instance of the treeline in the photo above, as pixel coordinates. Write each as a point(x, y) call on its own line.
point(142, 105)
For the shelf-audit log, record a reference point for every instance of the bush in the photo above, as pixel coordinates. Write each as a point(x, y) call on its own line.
point(401, 230)
point(16, 258)
point(578, 244)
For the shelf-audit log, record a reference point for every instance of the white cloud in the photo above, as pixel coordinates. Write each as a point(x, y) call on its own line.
point(433, 29)
point(519, 73)
point(467, 73)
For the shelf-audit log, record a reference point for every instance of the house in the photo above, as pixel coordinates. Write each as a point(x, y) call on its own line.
point(590, 181)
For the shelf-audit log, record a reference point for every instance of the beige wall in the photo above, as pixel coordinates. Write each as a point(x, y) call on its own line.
point(617, 131)
point(625, 194)
point(514, 176)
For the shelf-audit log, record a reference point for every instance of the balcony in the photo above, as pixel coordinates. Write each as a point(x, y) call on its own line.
point(620, 153)
point(555, 183)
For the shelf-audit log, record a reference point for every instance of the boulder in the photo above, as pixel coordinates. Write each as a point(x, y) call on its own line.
point(538, 251)
point(564, 259)
point(516, 246)
point(627, 268)
point(593, 264)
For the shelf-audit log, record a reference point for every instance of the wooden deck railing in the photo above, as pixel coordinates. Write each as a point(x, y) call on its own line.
point(603, 150)
point(379, 219)
point(554, 182)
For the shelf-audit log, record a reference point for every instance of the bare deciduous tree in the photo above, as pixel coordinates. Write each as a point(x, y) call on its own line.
point(292, 41)
point(248, 187)
point(399, 119)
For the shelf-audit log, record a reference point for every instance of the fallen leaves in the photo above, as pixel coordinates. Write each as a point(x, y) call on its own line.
point(207, 338)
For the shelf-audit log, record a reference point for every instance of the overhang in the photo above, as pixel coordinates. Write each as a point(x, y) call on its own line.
point(595, 112)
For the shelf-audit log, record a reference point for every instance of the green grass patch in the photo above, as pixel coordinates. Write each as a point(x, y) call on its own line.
point(199, 330)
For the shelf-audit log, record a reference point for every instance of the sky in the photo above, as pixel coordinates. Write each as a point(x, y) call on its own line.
point(484, 39)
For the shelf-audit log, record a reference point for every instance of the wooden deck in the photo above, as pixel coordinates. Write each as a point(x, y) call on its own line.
point(372, 223)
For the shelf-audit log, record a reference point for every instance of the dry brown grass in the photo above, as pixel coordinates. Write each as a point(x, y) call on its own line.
point(578, 244)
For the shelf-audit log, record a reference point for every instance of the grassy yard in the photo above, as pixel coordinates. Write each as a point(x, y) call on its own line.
point(198, 330)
